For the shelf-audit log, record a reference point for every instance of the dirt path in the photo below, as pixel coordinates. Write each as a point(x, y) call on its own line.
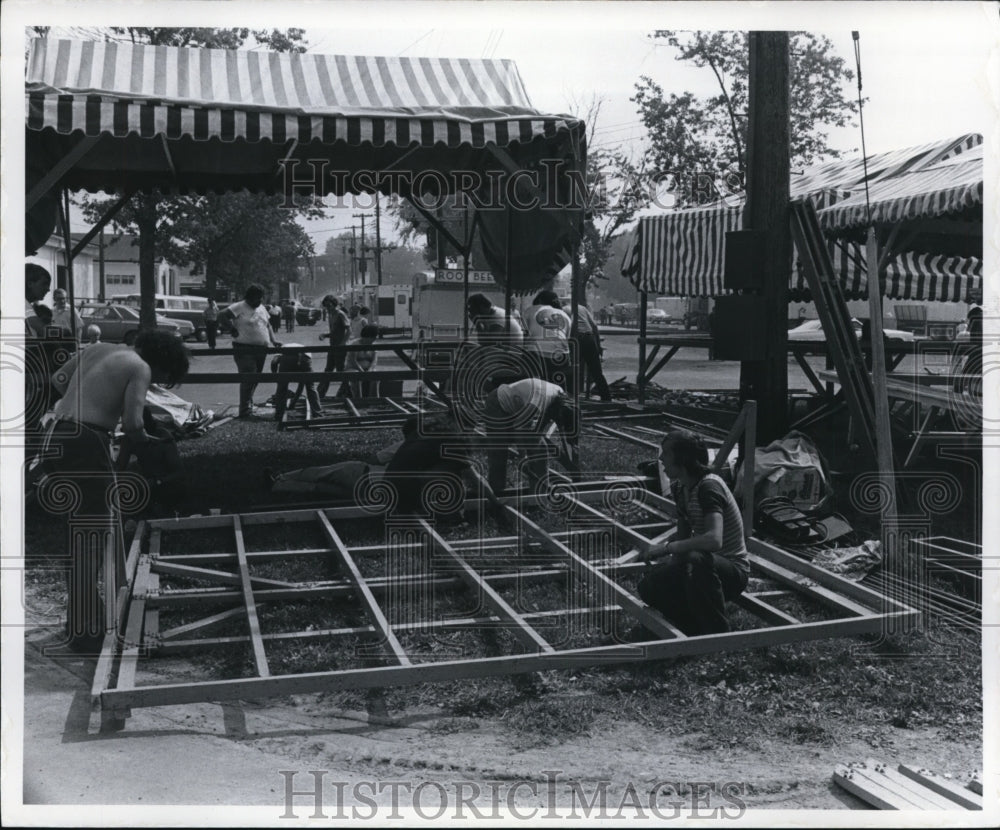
point(234, 754)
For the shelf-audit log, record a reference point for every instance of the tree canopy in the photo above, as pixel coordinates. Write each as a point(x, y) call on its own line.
point(700, 142)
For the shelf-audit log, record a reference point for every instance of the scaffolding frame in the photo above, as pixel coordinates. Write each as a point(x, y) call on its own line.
point(539, 557)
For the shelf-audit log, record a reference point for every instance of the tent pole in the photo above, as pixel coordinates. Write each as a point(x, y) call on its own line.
point(574, 290)
point(101, 223)
point(465, 275)
point(883, 434)
point(68, 243)
point(643, 303)
point(509, 287)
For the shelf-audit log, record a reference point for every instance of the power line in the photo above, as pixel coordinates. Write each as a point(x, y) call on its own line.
point(429, 31)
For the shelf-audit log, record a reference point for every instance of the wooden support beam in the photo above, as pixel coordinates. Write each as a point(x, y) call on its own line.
point(202, 624)
point(522, 632)
point(388, 639)
point(55, 173)
point(105, 661)
point(249, 603)
point(582, 569)
point(764, 610)
point(190, 572)
point(446, 670)
point(132, 638)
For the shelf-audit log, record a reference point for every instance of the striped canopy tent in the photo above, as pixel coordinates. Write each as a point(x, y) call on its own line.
point(683, 253)
point(122, 117)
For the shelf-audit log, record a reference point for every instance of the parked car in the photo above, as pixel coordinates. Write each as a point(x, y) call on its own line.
point(176, 307)
point(306, 315)
point(811, 331)
point(657, 315)
point(120, 323)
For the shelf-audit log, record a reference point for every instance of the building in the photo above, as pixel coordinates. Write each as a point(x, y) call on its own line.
point(121, 268)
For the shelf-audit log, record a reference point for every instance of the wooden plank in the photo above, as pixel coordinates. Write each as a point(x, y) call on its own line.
point(173, 569)
point(952, 545)
point(106, 659)
point(871, 792)
point(583, 569)
point(951, 790)
point(839, 584)
point(392, 675)
point(636, 540)
point(626, 437)
point(927, 799)
point(349, 405)
point(522, 632)
point(389, 641)
point(765, 611)
point(132, 639)
point(202, 624)
point(249, 604)
point(804, 585)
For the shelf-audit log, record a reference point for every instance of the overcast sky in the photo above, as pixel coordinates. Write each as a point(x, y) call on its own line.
point(927, 67)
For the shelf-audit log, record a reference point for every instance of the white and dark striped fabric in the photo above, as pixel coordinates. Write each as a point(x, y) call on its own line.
point(683, 253)
point(122, 88)
point(950, 187)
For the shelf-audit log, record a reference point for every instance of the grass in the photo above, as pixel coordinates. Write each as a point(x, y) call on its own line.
point(812, 693)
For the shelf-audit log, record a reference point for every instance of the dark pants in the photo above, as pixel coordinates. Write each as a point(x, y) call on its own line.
point(692, 590)
point(248, 359)
point(295, 363)
point(334, 363)
point(590, 356)
point(289, 324)
point(211, 331)
point(80, 484)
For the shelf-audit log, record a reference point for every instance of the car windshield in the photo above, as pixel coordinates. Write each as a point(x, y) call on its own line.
point(128, 313)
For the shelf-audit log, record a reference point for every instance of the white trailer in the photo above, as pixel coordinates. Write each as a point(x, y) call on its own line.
point(439, 301)
point(391, 306)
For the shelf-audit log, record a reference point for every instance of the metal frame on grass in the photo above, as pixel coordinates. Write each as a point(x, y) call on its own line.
point(579, 558)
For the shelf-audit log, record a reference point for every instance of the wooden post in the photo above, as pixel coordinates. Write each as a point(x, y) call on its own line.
point(643, 303)
point(883, 430)
point(766, 381)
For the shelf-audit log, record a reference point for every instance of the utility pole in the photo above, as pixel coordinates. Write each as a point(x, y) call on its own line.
point(362, 260)
point(101, 285)
point(378, 240)
point(354, 259)
point(766, 381)
point(343, 267)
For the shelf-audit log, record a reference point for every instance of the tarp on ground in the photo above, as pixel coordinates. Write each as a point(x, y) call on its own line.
point(683, 253)
point(187, 120)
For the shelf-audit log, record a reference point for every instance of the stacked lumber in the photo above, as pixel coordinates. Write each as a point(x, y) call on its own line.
point(907, 787)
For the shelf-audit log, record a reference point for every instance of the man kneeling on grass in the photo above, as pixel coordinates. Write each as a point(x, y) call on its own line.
point(707, 562)
point(428, 473)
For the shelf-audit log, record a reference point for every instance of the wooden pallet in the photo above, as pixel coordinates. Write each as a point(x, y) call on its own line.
point(906, 787)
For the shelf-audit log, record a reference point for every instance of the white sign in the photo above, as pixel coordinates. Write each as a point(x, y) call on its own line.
point(458, 275)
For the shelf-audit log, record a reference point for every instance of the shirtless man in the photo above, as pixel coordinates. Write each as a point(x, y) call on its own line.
point(99, 386)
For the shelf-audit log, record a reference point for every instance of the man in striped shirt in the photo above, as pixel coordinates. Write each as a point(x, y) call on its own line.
point(707, 562)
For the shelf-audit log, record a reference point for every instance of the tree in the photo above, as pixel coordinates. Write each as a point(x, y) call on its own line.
point(146, 215)
point(700, 143)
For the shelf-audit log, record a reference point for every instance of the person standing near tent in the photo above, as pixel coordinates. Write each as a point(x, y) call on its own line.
point(588, 336)
point(548, 329)
point(707, 561)
point(338, 335)
point(252, 335)
point(101, 385)
point(491, 325)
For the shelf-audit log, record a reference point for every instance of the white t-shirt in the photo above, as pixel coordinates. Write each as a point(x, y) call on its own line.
point(530, 397)
point(548, 329)
point(252, 324)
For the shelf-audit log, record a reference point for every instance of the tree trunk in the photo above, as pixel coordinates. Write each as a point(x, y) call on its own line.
point(146, 220)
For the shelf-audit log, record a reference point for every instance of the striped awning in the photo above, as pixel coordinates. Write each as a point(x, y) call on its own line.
point(947, 188)
point(228, 94)
point(683, 253)
point(135, 117)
